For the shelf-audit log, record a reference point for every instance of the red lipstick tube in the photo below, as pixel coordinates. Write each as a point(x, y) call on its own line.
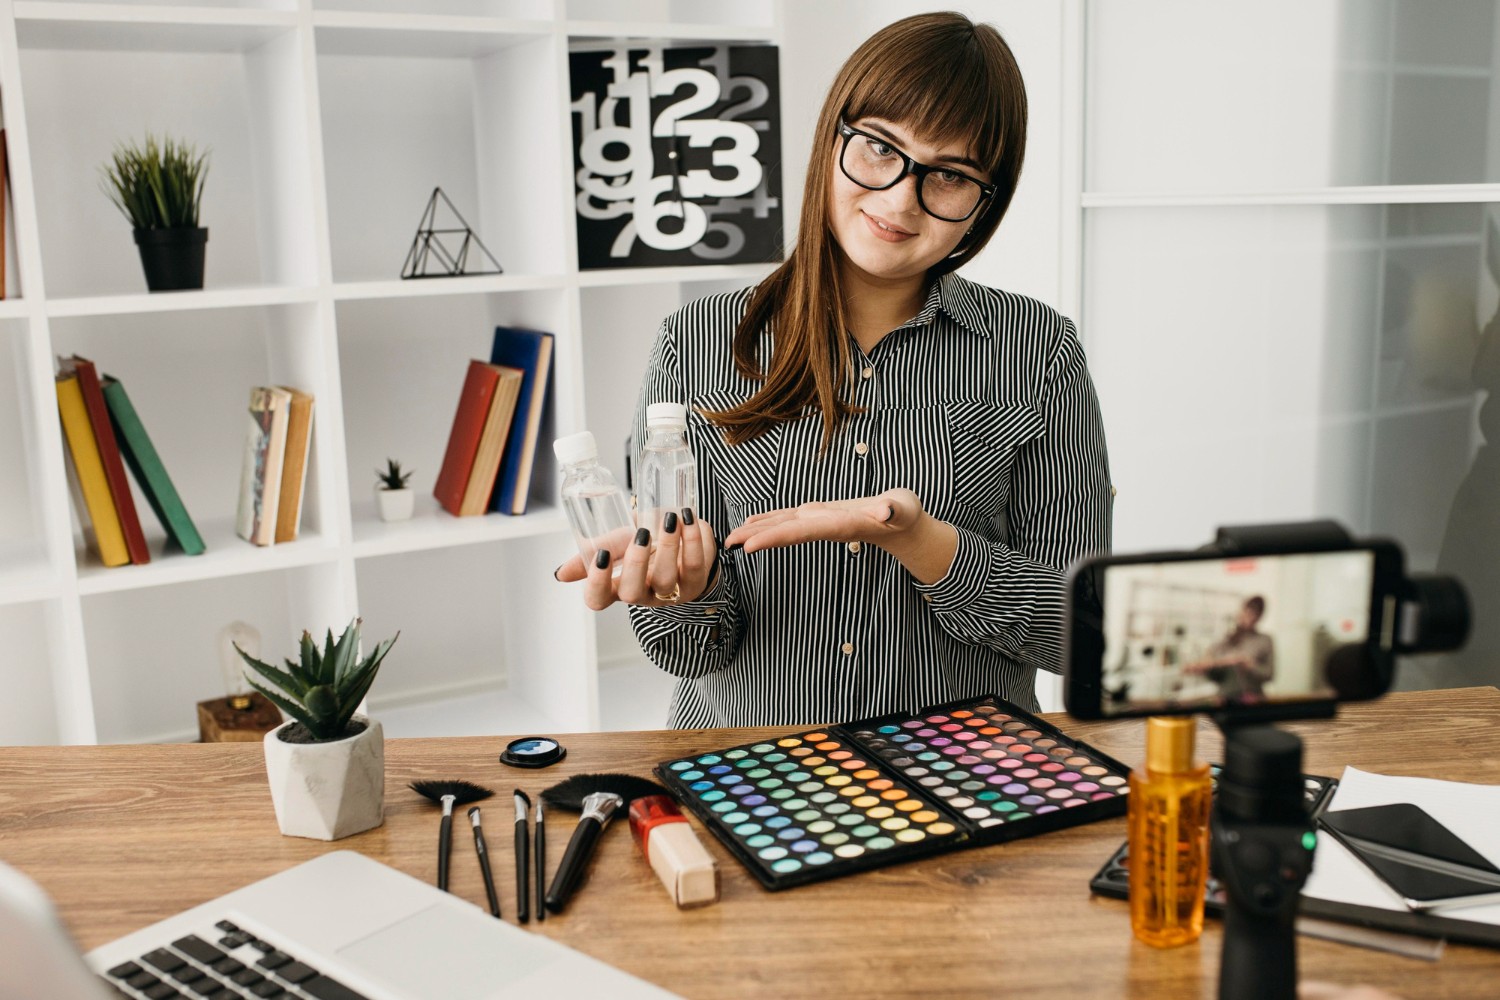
point(677, 856)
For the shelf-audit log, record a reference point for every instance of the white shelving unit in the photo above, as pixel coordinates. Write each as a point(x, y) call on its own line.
point(329, 124)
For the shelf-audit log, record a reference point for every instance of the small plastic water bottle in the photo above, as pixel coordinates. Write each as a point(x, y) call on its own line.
point(668, 477)
point(594, 502)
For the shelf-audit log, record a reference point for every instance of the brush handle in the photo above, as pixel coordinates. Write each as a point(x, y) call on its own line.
point(445, 844)
point(482, 849)
point(523, 872)
point(575, 860)
point(541, 866)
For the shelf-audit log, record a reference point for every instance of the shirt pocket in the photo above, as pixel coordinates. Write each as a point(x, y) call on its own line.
point(985, 438)
point(744, 474)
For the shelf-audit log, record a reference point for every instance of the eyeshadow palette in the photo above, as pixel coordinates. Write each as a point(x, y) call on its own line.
point(829, 801)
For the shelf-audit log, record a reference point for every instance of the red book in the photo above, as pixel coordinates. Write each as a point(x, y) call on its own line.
point(109, 452)
point(463, 440)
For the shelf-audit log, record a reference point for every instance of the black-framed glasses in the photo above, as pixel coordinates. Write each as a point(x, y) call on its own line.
point(944, 193)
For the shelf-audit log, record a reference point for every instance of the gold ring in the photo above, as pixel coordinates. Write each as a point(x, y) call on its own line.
point(671, 598)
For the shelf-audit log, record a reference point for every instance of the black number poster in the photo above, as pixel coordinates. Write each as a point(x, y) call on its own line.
point(677, 154)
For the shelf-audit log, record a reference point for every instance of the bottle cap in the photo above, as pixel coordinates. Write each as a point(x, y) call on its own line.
point(575, 448)
point(1169, 743)
point(667, 415)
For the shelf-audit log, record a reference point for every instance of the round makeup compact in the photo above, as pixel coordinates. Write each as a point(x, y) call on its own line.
point(533, 751)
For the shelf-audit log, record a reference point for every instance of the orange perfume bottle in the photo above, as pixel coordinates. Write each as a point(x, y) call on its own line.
point(1170, 801)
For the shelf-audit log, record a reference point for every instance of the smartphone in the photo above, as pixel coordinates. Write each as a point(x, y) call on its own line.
point(1425, 863)
point(1181, 632)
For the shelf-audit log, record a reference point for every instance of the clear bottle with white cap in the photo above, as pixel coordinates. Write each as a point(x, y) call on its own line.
point(594, 502)
point(668, 478)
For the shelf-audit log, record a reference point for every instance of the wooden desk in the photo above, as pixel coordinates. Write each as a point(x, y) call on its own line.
point(123, 836)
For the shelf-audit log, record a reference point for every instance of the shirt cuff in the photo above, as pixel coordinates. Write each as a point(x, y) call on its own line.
point(964, 581)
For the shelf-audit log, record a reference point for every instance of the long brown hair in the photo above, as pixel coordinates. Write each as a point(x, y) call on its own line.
point(948, 80)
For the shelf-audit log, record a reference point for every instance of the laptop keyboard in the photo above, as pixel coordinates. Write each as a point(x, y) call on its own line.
point(227, 964)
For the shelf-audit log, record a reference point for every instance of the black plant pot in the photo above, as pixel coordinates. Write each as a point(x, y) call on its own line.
point(173, 258)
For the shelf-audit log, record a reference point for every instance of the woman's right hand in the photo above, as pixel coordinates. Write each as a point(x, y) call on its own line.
point(673, 571)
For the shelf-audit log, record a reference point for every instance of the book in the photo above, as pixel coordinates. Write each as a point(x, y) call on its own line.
point(149, 471)
point(530, 351)
point(260, 473)
point(91, 496)
point(109, 456)
point(492, 442)
point(463, 439)
point(294, 465)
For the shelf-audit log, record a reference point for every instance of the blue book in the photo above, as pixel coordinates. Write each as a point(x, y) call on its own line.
point(530, 351)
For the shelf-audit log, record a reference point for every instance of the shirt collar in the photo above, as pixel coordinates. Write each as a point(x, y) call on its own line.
point(954, 296)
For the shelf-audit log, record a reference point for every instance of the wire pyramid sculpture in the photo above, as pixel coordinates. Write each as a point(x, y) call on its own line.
point(430, 255)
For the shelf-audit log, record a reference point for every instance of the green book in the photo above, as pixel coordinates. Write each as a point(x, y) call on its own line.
point(148, 470)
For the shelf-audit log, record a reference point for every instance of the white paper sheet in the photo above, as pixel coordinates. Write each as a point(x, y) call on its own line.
point(1472, 812)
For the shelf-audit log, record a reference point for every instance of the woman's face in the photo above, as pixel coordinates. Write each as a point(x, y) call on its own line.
point(886, 236)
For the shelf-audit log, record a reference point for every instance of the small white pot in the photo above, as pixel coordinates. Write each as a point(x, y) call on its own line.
point(395, 505)
point(326, 791)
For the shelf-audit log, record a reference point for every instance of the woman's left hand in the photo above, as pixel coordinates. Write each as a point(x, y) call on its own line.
point(877, 520)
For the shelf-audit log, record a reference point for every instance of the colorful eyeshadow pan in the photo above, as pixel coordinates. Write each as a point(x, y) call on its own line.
point(816, 805)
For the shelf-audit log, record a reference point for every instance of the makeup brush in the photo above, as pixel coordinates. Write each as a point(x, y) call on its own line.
point(523, 861)
point(541, 860)
point(482, 849)
point(599, 797)
point(448, 794)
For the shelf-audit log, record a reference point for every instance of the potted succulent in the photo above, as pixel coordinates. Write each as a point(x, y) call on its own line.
point(392, 494)
point(326, 764)
point(159, 188)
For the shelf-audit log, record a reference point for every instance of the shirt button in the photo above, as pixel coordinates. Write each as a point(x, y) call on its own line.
point(848, 648)
point(710, 611)
point(868, 373)
point(861, 449)
point(854, 548)
point(927, 598)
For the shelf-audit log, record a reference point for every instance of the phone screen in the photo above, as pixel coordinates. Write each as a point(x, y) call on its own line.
point(1196, 633)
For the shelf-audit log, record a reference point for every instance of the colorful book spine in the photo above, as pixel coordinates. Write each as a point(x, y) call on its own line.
point(492, 442)
point(294, 465)
point(109, 454)
point(260, 474)
point(463, 440)
point(95, 506)
point(149, 470)
point(530, 351)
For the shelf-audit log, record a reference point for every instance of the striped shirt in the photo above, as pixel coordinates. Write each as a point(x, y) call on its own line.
point(982, 405)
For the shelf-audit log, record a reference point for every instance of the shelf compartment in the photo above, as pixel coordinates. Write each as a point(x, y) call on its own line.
point(237, 91)
point(536, 10)
point(215, 298)
point(103, 27)
point(402, 364)
point(431, 527)
point(183, 10)
point(480, 624)
point(462, 285)
point(146, 682)
point(676, 15)
point(422, 35)
point(397, 126)
point(22, 497)
point(189, 376)
point(28, 712)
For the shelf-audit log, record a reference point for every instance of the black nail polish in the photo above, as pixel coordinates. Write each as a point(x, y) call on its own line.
point(735, 547)
point(643, 537)
point(602, 559)
point(687, 515)
point(555, 572)
point(669, 522)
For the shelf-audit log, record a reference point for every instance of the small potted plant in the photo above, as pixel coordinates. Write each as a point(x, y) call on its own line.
point(392, 494)
point(326, 764)
point(159, 188)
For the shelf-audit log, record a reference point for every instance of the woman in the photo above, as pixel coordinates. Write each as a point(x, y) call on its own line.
point(909, 461)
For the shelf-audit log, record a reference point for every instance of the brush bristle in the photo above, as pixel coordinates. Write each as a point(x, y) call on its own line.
point(570, 794)
point(522, 796)
point(463, 792)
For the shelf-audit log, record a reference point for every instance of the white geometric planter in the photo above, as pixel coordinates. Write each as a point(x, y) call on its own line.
point(395, 505)
point(326, 791)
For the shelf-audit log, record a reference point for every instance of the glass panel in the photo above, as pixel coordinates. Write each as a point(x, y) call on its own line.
point(1291, 94)
point(1279, 364)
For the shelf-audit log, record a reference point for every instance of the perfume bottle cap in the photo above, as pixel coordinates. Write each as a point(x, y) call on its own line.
point(575, 448)
point(666, 416)
point(1169, 743)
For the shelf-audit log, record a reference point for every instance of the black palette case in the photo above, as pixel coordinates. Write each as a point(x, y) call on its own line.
point(825, 802)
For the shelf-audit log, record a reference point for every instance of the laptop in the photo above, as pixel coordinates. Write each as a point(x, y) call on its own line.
point(339, 927)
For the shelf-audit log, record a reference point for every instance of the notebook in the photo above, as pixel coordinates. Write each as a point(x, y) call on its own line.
point(338, 927)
